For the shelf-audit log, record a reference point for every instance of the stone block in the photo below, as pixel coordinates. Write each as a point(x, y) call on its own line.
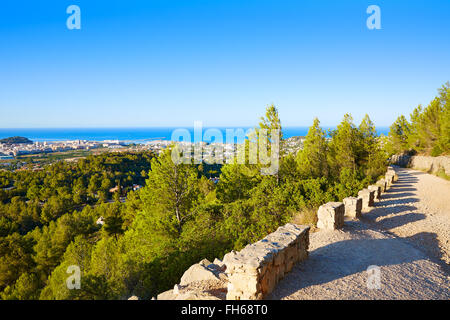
point(389, 177)
point(382, 184)
point(377, 191)
point(199, 272)
point(353, 207)
point(367, 197)
point(331, 216)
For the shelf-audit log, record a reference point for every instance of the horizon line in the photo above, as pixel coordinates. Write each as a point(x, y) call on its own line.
point(168, 126)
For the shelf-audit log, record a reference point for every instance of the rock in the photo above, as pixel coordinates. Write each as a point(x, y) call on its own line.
point(205, 262)
point(133, 298)
point(176, 289)
point(197, 290)
point(196, 295)
point(198, 272)
point(219, 263)
point(377, 190)
point(166, 295)
point(367, 197)
point(100, 221)
point(389, 177)
point(353, 207)
point(382, 184)
point(331, 216)
point(229, 256)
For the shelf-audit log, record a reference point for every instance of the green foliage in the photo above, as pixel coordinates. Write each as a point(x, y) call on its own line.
point(27, 287)
point(427, 132)
point(48, 222)
point(170, 194)
point(15, 258)
point(398, 133)
point(312, 161)
point(16, 140)
point(236, 182)
point(78, 254)
point(343, 147)
point(114, 220)
point(39, 197)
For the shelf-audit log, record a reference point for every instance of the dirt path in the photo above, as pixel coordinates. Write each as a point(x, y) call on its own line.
point(417, 208)
point(406, 234)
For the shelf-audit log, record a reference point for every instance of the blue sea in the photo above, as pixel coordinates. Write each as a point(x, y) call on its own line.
point(129, 135)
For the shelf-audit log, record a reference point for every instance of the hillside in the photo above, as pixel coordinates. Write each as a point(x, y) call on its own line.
point(16, 140)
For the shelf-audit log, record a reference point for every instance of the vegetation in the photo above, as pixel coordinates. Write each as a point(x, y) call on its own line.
point(48, 220)
point(428, 130)
point(16, 140)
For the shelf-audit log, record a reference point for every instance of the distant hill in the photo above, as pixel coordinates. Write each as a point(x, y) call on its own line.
point(16, 140)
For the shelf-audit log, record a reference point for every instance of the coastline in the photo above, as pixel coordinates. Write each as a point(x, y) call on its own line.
point(129, 135)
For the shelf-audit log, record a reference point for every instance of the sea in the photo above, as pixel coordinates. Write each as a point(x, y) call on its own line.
point(133, 135)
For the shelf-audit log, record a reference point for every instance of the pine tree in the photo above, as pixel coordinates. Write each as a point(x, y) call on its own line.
point(398, 135)
point(413, 137)
point(271, 124)
point(371, 159)
point(343, 147)
point(171, 192)
point(312, 159)
point(444, 138)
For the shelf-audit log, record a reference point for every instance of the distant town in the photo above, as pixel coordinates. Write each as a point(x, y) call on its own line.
point(21, 148)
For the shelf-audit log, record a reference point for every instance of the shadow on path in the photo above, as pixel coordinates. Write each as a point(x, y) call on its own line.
point(343, 258)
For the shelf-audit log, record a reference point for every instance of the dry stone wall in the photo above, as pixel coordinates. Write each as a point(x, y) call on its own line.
point(353, 207)
point(368, 197)
point(331, 216)
point(426, 163)
point(377, 191)
point(253, 272)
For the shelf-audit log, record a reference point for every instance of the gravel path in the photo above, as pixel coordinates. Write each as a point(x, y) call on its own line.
point(406, 234)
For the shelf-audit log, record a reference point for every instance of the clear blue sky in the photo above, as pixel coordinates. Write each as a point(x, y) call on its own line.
point(169, 63)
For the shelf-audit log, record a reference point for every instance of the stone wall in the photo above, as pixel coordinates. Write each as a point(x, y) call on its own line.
point(353, 207)
point(425, 163)
point(249, 274)
point(331, 216)
point(253, 272)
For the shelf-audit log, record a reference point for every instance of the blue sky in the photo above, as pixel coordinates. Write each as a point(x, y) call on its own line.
point(169, 63)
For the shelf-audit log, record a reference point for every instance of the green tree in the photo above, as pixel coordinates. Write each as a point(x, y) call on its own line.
point(27, 287)
point(371, 157)
point(78, 254)
point(236, 182)
point(114, 221)
point(312, 159)
point(171, 192)
point(15, 258)
point(343, 147)
point(398, 135)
